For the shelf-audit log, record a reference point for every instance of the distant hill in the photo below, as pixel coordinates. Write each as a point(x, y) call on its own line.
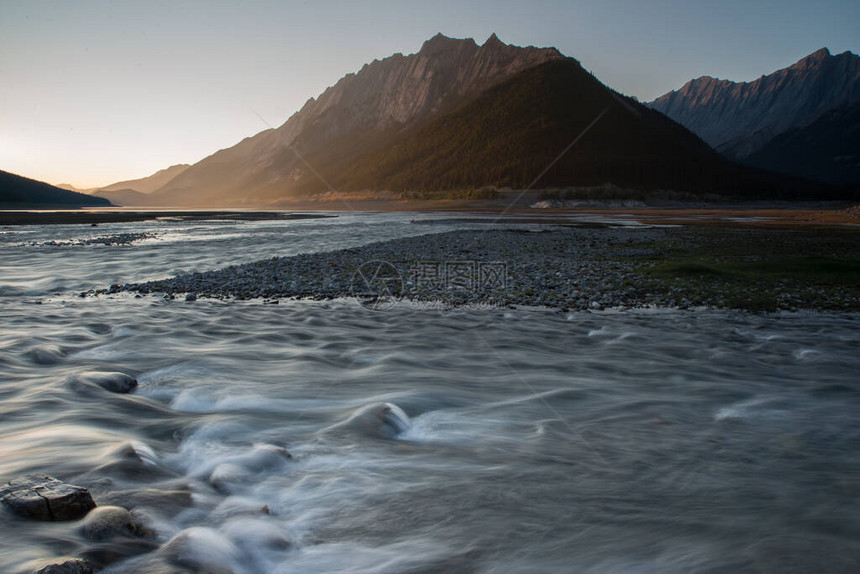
point(739, 118)
point(70, 187)
point(21, 192)
point(150, 183)
point(125, 197)
point(828, 149)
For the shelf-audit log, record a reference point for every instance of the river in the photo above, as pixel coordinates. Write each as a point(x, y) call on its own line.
point(420, 440)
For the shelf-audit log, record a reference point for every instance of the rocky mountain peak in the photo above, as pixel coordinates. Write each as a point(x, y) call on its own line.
point(737, 118)
point(813, 60)
point(699, 85)
point(493, 40)
point(399, 89)
point(442, 43)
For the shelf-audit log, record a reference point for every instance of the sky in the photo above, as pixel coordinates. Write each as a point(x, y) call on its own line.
point(94, 92)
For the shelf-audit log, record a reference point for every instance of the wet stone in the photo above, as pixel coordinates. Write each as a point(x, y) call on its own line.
point(109, 381)
point(43, 497)
point(105, 554)
point(107, 522)
point(67, 566)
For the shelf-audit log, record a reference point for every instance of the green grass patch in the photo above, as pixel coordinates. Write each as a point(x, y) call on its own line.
point(688, 269)
point(757, 283)
point(806, 270)
point(817, 270)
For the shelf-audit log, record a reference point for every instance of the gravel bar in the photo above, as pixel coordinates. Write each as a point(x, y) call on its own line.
point(563, 267)
point(105, 240)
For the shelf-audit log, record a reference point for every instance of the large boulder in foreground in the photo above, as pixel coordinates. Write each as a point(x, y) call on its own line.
point(43, 497)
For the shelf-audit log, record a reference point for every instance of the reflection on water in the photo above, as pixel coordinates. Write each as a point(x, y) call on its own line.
point(323, 437)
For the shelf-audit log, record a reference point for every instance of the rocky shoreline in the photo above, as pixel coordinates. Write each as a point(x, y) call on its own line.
point(565, 267)
point(103, 240)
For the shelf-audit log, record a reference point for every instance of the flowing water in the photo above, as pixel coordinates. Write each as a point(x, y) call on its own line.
point(501, 440)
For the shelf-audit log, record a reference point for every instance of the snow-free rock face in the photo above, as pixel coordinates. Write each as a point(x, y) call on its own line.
point(382, 97)
point(400, 88)
point(738, 118)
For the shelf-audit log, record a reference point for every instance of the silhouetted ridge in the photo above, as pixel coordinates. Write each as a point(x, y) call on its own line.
point(17, 191)
point(827, 150)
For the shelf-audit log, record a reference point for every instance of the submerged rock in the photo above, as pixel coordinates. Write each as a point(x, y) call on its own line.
point(63, 565)
point(135, 461)
point(109, 381)
point(385, 420)
point(46, 356)
point(225, 475)
point(107, 522)
point(103, 555)
point(240, 469)
point(43, 497)
point(158, 498)
point(201, 549)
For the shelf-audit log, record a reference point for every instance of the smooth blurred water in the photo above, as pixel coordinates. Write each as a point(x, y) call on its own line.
point(515, 440)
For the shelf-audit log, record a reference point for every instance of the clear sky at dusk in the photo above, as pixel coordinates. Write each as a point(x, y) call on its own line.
point(96, 92)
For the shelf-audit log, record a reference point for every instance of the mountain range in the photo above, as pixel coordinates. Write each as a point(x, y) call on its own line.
point(780, 121)
point(513, 135)
point(458, 115)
